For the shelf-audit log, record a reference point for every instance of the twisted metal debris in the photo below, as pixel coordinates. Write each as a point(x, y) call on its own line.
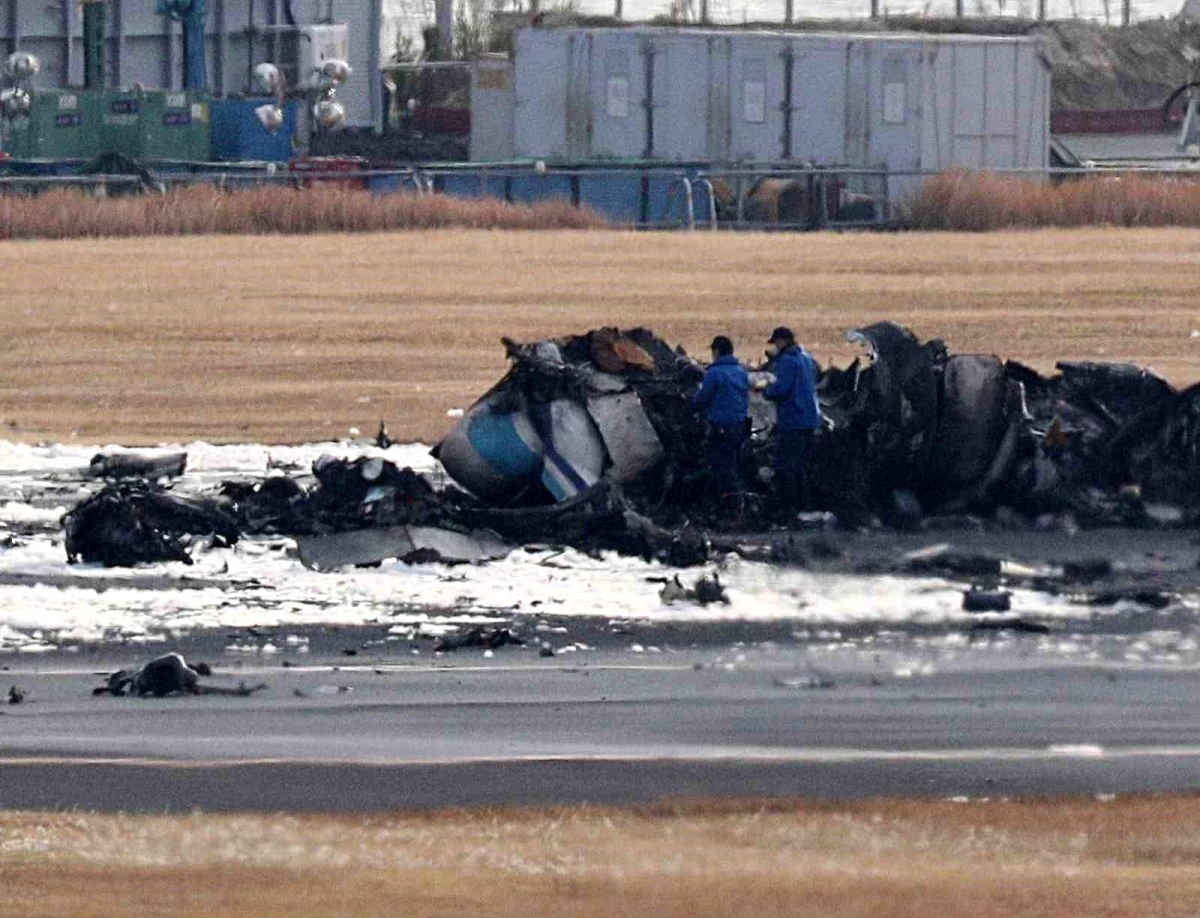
point(591, 441)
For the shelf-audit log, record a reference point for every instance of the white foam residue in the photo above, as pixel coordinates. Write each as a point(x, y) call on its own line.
point(270, 588)
point(205, 458)
point(16, 512)
point(256, 458)
point(257, 583)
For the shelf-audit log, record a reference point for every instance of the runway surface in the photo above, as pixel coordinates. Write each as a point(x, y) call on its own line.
point(749, 720)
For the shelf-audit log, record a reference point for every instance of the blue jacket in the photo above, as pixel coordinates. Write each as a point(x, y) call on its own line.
point(725, 392)
point(794, 390)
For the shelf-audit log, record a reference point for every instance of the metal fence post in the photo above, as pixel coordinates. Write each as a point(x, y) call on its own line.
point(711, 196)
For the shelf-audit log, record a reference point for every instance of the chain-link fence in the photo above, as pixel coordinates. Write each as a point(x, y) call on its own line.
point(1112, 12)
point(406, 18)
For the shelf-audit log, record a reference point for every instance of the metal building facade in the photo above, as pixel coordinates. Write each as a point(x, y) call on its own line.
point(897, 102)
point(145, 48)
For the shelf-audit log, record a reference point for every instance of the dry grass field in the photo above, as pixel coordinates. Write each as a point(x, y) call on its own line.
point(1134, 857)
point(285, 339)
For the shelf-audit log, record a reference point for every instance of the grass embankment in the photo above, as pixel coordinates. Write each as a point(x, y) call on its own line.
point(286, 339)
point(205, 210)
point(974, 202)
point(1135, 857)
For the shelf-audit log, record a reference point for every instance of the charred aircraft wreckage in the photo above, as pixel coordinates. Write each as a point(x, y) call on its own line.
point(590, 441)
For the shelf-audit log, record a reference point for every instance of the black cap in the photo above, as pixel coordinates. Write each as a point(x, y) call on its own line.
point(722, 345)
point(781, 332)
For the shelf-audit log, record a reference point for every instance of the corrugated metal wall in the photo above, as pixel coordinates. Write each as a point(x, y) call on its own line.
point(901, 102)
point(146, 48)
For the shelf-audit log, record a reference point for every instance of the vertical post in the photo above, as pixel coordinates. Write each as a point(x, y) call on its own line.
point(1126, 12)
point(221, 58)
point(958, 9)
point(1041, 10)
point(250, 46)
point(192, 28)
point(168, 61)
point(874, 9)
point(704, 11)
point(712, 202)
point(789, 105)
point(443, 15)
point(93, 44)
point(648, 73)
point(376, 90)
point(618, 9)
point(117, 76)
point(274, 15)
point(789, 11)
point(14, 22)
point(68, 57)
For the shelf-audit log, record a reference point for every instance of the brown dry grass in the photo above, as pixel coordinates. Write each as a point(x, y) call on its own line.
point(284, 339)
point(205, 210)
point(974, 201)
point(1137, 856)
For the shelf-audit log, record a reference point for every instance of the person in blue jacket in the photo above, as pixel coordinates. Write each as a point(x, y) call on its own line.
point(724, 397)
point(794, 392)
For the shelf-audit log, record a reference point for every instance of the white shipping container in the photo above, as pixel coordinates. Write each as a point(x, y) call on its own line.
point(897, 102)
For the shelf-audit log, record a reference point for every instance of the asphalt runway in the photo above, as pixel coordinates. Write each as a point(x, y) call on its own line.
point(613, 729)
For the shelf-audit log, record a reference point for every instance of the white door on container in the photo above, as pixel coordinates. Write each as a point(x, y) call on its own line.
point(757, 103)
point(579, 95)
point(542, 65)
point(967, 87)
point(819, 105)
point(679, 98)
point(491, 111)
point(895, 108)
point(1000, 100)
point(618, 96)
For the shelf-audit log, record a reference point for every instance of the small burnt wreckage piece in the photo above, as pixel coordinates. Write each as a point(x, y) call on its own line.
point(169, 674)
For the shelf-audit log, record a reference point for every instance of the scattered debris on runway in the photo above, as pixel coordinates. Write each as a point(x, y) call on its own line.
point(137, 465)
point(170, 674)
point(987, 601)
point(136, 522)
point(704, 591)
point(478, 637)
